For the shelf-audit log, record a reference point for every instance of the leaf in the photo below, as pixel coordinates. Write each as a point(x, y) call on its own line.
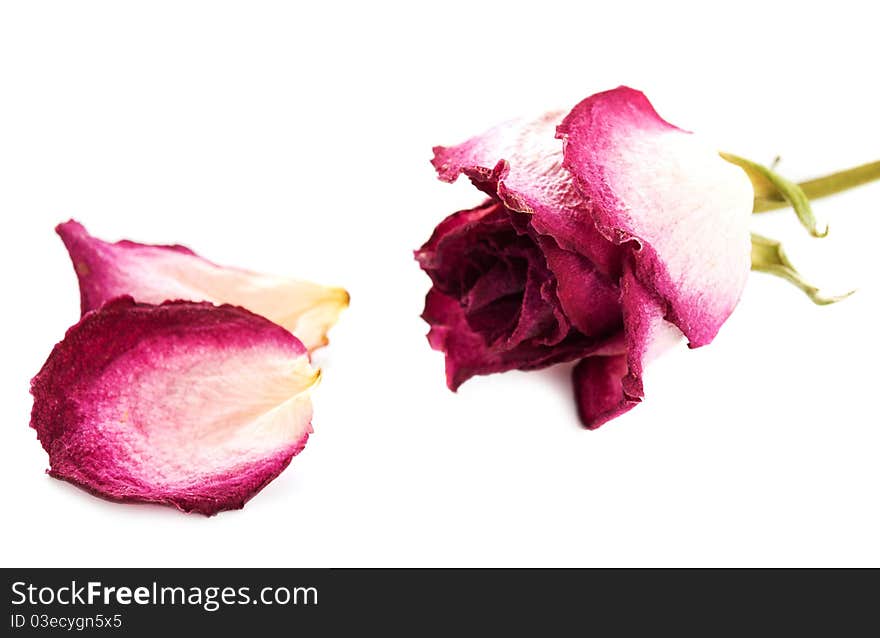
point(770, 185)
point(768, 256)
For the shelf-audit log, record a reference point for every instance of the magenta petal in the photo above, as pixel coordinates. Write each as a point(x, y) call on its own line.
point(610, 384)
point(598, 389)
point(185, 404)
point(590, 300)
point(521, 163)
point(456, 224)
point(494, 304)
point(684, 209)
point(153, 274)
point(467, 353)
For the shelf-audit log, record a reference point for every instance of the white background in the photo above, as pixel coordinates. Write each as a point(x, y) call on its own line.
point(294, 138)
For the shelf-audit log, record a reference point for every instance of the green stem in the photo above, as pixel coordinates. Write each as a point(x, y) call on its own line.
point(823, 186)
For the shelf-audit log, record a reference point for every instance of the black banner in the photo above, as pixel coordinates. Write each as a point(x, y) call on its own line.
point(302, 602)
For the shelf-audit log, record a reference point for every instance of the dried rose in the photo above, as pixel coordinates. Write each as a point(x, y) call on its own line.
point(153, 274)
point(185, 404)
point(608, 231)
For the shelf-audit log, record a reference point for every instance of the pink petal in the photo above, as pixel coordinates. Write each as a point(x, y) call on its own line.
point(685, 210)
point(610, 384)
point(185, 404)
point(521, 163)
point(153, 274)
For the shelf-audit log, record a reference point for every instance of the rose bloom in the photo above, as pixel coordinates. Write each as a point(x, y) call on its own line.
point(607, 235)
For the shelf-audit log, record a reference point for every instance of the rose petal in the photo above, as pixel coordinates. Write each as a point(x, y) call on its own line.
point(502, 312)
point(453, 225)
point(589, 298)
point(684, 209)
point(185, 404)
point(467, 353)
point(598, 389)
point(153, 274)
point(521, 163)
point(610, 384)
